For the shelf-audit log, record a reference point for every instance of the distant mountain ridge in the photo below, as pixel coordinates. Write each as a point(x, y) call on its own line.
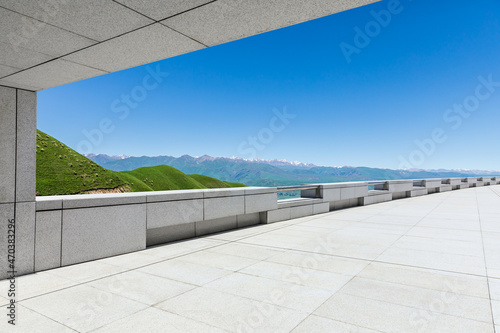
point(103, 158)
point(60, 171)
point(259, 172)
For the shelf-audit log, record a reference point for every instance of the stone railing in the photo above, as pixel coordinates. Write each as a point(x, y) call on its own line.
point(79, 228)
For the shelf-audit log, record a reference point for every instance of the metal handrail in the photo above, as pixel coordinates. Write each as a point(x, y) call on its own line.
point(377, 183)
point(297, 188)
point(317, 188)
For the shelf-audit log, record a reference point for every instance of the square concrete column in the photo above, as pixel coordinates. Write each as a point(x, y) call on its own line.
point(17, 176)
point(8, 111)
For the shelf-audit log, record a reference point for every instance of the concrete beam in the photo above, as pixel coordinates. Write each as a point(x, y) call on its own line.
point(224, 21)
point(49, 43)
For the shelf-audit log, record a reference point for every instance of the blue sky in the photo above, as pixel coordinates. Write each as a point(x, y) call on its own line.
point(420, 91)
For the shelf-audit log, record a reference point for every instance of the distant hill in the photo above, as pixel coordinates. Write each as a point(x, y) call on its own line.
point(277, 172)
point(61, 170)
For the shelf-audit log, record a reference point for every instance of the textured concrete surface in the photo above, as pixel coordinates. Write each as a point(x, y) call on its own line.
point(216, 225)
point(398, 186)
point(89, 18)
point(162, 9)
point(418, 192)
point(278, 215)
point(163, 214)
point(152, 43)
point(224, 21)
point(48, 240)
point(301, 211)
point(248, 220)
point(25, 237)
point(168, 234)
point(6, 70)
point(17, 176)
point(424, 264)
point(26, 146)
point(10, 57)
point(376, 197)
point(6, 214)
point(321, 208)
point(91, 233)
point(49, 43)
point(259, 190)
point(295, 202)
point(332, 194)
point(162, 196)
point(216, 208)
point(61, 72)
point(7, 144)
point(223, 192)
point(49, 203)
point(21, 32)
point(101, 200)
point(260, 202)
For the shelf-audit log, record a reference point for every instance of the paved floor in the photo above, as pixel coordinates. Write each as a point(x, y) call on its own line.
point(427, 264)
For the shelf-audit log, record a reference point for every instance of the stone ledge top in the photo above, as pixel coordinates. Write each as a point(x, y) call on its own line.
point(49, 203)
point(260, 190)
point(378, 192)
point(341, 185)
point(114, 199)
point(88, 200)
point(298, 202)
point(224, 192)
point(403, 181)
point(174, 195)
point(99, 200)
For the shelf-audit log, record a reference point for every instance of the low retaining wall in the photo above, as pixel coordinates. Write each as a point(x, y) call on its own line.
point(79, 228)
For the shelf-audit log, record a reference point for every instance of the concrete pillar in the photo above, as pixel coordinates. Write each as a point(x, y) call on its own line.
point(17, 177)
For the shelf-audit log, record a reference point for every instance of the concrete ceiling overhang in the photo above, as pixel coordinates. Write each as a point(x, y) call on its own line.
point(47, 43)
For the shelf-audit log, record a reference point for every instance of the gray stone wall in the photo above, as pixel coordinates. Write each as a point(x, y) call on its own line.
point(17, 177)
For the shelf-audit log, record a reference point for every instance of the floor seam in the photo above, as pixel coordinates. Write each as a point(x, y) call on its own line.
point(138, 268)
point(289, 226)
point(416, 308)
point(369, 260)
point(390, 246)
point(485, 263)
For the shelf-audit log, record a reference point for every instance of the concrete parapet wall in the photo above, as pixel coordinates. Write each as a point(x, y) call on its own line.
point(395, 186)
point(446, 188)
point(416, 192)
point(432, 183)
point(79, 228)
point(375, 197)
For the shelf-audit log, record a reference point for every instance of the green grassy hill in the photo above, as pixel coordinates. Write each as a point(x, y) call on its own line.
point(164, 177)
point(61, 170)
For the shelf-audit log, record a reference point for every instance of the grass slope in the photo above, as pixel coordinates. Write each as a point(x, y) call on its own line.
point(163, 178)
point(61, 170)
point(214, 182)
point(160, 177)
